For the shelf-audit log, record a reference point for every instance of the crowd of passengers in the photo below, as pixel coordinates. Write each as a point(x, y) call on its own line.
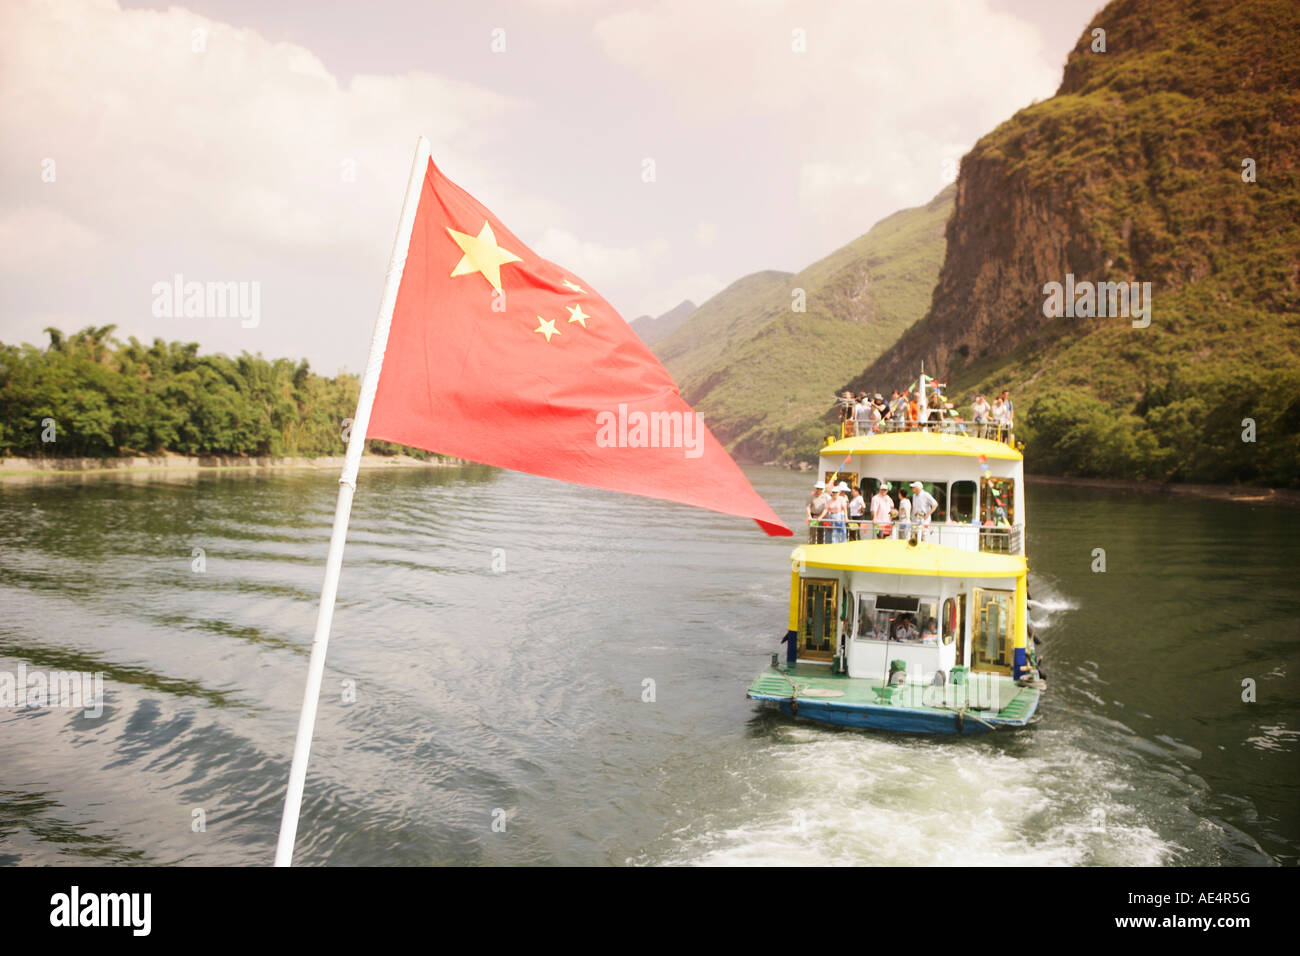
point(847, 512)
point(862, 414)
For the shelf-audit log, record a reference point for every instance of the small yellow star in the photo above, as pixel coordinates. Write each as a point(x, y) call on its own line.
point(577, 315)
point(547, 328)
point(575, 288)
point(482, 254)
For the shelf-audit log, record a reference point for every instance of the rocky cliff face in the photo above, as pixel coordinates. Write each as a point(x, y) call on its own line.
point(1132, 172)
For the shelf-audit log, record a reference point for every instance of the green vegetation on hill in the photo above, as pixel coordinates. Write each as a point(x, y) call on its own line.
point(763, 374)
point(109, 399)
point(1133, 172)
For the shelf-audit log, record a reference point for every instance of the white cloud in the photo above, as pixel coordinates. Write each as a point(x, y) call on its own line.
point(599, 263)
point(32, 238)
point(243, 160)
point(883, 94)
point(247, 137)
point(706, 233)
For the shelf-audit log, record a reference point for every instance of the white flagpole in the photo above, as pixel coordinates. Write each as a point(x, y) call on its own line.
point(923, 411)
point(347, 486)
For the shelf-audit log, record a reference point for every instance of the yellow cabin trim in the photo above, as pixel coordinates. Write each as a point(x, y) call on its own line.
point(921, 443)
point(794, 599)
point(1022, 590)
point(888, 556)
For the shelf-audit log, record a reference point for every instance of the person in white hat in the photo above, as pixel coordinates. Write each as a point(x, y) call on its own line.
point(923, 504)
point(838, 512)
point(881, 507)
point(818, 502)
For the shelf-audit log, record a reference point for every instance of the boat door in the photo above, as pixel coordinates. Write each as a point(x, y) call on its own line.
point(954, 624)
point(990, 635)
point(818, 601)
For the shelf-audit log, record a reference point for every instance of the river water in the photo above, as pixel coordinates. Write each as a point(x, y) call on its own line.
point(487, 695)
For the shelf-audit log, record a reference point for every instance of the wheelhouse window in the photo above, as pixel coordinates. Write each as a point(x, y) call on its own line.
point(961, 502)
point(891, 617)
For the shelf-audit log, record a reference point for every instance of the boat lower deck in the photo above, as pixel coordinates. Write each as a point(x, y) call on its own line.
point(814, 692)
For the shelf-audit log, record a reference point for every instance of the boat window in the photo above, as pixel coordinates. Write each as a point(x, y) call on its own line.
point(866, 617)
point(997, 503)
point(961, 501)
point(891, 617)
point(950, 620)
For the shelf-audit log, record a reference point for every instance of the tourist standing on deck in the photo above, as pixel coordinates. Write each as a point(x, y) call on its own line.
point(862, 415)
point(857, 510)
point(818, 502)
point(838, 512)
point(997, 416)
point(893, 414)
point(923, 505)
point(1009, 412)
point(904, 515)
point(881, 507)
point(845, 404)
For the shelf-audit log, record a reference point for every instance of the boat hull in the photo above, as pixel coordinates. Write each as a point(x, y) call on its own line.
point(817, 695)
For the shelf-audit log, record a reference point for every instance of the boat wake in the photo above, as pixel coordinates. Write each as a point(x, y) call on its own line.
point(845, 798)
point(1047, 603)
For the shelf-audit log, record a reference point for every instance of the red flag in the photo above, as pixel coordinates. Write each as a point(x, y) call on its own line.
point(498, 356)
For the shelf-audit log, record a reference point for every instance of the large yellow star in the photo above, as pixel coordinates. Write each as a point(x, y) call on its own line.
point(577, 315)
point(547, 327)
point(482, 254)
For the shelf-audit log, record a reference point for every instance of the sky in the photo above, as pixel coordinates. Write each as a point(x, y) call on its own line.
point(660, 150)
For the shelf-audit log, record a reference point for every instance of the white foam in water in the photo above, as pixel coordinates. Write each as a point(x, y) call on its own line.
point(857, 799)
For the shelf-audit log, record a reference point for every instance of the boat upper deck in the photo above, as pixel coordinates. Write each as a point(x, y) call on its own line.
point(985, 431)
point(928, 441)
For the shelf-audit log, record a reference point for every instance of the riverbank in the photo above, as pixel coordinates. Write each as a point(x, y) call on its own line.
point(1244, 494)
point(181, 464)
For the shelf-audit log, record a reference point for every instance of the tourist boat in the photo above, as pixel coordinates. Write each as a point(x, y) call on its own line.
point(920, 628)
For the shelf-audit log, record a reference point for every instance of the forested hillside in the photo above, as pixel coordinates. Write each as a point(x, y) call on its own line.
point(108, 398)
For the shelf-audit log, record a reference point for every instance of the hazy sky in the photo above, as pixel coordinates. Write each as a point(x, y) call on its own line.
point(269, 143)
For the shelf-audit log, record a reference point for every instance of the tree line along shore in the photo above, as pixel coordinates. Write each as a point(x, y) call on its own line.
point(89, 396)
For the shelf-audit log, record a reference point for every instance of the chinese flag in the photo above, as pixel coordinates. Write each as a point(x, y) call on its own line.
point(498, 356)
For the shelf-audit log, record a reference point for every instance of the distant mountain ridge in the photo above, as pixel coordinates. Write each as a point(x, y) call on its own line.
point(763, 374)
point(652, 329)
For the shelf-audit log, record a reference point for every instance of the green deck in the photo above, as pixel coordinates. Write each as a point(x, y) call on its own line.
point(816, 682)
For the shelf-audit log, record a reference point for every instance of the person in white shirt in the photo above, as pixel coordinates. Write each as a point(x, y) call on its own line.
point(905, 629)
point(881, 506)
point(923, 503)
point(857, 509)
point(904, 515)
